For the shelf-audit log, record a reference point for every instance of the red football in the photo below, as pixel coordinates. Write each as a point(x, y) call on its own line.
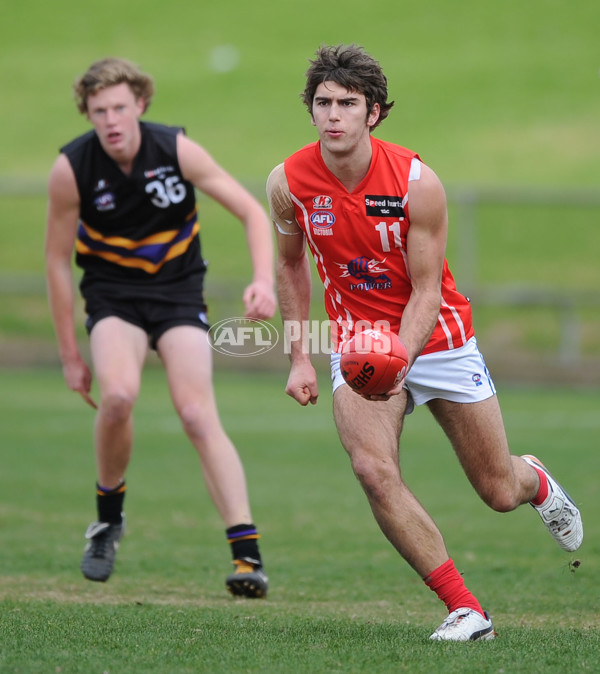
point(372, 361)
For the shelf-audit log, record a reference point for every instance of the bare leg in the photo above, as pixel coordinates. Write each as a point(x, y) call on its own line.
point(186, 354)
point(476, 431)
point(370, 433)
point(118, 353)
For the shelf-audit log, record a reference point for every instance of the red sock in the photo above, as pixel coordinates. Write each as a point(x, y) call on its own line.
point(542, 494)
point(450, 587)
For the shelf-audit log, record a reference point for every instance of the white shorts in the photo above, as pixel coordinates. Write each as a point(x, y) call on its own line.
point(459, 375)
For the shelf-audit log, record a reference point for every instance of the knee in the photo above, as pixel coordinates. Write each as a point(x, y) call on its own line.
point(499, 497)
point(377, 477)
point(194, 420)
point(117, 405)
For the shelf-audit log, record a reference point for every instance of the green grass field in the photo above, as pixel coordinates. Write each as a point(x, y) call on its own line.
point(341, 599)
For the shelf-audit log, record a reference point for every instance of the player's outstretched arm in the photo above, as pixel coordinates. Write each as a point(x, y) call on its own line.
point(198, 166)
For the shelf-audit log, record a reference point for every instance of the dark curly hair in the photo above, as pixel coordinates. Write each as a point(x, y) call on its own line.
point(352, 68)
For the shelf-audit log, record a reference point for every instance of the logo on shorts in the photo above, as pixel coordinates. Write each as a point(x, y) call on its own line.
point(242, 337)
point(477, 379)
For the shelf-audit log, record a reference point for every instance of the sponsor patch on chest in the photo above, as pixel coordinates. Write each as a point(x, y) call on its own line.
point(382, 206)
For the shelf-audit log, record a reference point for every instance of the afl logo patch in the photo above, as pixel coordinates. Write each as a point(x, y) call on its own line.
point(322, 201)
point(322, 219)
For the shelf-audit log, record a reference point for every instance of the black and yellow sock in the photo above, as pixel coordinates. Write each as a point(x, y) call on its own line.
point(109, 503)
point(243, 539)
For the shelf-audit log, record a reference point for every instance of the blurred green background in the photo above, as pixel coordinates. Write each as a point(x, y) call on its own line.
point(502, 100)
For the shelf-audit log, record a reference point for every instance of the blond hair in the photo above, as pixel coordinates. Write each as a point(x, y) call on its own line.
point(107, 73)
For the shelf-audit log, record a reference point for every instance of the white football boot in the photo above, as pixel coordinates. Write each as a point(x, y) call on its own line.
point(465, 624)
point(558, 512)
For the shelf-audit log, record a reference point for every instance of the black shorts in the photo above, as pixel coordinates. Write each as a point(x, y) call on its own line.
point(155, 317)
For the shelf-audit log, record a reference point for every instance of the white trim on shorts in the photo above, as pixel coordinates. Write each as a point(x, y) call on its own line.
point(459, 375)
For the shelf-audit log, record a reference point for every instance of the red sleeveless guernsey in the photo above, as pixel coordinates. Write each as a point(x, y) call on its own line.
point(358, 242)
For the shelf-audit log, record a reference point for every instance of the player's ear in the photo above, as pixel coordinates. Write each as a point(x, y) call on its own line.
point(373, 116)
point(310, 112)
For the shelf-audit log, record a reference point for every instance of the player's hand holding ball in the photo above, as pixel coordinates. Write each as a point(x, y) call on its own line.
point(373, 361)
